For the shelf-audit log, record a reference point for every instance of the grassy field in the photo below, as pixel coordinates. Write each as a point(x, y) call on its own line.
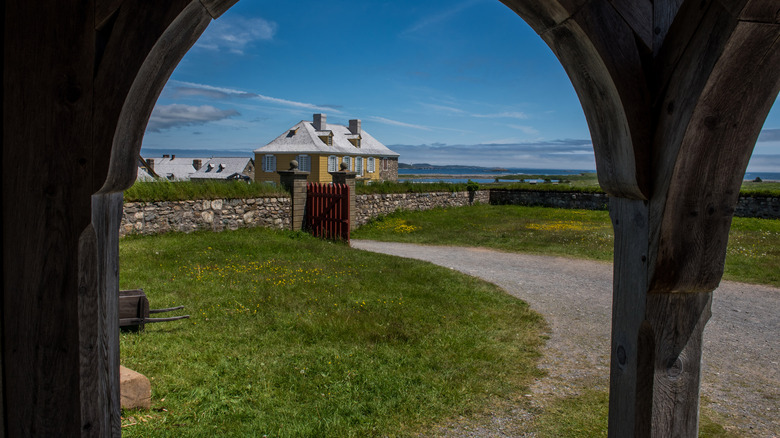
point(291, 336)
point(753, 253)
point(164, 190)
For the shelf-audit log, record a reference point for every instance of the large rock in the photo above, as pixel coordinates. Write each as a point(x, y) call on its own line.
point(135, 389)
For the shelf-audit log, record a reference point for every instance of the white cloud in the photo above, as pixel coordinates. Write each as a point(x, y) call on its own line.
point(178, 115)
point(503, 115)
point(444, 108)
point(558, 154)
point(191, 89)
point(530, 130)
point(234, 34)
point(769, 135)
point(432, 20)
point(397, 123)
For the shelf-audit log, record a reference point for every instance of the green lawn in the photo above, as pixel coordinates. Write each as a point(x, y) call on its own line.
point(291, 336)
point(753, 253)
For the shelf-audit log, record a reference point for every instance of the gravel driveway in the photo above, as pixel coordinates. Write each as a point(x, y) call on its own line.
point(741, 375)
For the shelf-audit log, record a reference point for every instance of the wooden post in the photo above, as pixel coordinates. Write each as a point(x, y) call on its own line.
point(675, 93)
point(294, 181)
point(348, 178)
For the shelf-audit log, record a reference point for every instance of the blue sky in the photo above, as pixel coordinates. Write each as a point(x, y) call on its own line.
point(442, 82)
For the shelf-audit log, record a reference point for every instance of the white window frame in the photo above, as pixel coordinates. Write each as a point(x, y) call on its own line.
point(333, 163)
point(304, 163)
point(269, 163)
point(347, 160)
point(359, 165)
point(370, 165)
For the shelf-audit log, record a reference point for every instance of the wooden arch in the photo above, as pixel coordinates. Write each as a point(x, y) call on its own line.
point(675, 93)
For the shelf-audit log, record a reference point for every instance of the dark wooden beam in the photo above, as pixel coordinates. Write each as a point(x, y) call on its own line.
point(673, 119)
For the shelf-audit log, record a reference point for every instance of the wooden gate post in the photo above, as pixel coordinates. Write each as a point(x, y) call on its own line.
point(348, 178)
point(675, 93)
point(294, 181)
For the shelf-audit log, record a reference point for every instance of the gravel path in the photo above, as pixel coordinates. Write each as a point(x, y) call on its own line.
point(740, 361)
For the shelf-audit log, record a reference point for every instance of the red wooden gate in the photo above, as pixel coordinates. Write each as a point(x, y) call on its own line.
point(327, 210)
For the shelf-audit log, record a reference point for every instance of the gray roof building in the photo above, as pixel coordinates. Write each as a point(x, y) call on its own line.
point(319, 137)
point(226, 168)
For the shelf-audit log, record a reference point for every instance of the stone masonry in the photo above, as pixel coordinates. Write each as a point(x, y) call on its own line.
point(214, 215)
point(219, 214)
point(371, 206)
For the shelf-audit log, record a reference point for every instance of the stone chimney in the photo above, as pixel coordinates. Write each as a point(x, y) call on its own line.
point(197, 164)
point(354, 126)
point(150, 164)
point(319, 122)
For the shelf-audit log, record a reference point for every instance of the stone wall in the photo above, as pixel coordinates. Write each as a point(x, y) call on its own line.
point(748, 206)
point(215, 215)
point(371, 206)
point(584, 201)
point(758, 206)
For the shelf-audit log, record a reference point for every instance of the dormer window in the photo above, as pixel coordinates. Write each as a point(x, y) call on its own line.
point(209, 167)
point(355, 141)
point(292, 132)
point(327, 138)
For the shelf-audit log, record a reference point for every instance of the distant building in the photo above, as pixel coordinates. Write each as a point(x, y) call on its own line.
point(320, 148)
point(242, 168)
point(183, 169)
point(171, 168)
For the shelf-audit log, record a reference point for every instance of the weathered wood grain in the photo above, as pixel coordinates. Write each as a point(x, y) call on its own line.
point(664, 14)
point(47, 115)
point(629, 375)
point(599, 52)
point(217, 7)
point(116, 71)
point(712, 158)
point(542, 16)
point(677, 322)
point(638, 14)
point(144, 89)
point(93, 401)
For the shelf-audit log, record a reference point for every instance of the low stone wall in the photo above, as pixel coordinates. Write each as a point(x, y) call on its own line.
point(215, 215)
point(218, 215)
point(371, 206)
point(584, 201)
point(747, 206)
point(758, 206)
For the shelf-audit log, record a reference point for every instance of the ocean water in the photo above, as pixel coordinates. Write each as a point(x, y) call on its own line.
point(452, 174)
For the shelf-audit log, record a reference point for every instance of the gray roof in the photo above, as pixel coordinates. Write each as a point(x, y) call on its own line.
point(222, 168)
point(143, 175)
point(303, 138)
point(174, 168)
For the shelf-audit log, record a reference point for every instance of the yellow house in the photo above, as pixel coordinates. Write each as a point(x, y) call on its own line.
point(320, 148)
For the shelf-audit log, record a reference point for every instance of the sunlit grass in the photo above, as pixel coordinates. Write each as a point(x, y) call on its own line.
point(294, 336)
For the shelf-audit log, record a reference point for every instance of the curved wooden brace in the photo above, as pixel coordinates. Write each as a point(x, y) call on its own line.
point(603, 57)
point(649, 76)
point(712, 159)
point(148, 83)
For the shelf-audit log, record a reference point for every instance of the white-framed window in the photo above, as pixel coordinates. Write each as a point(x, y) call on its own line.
point(304, 163)
point(370, 165)
point(333, 163)
point(359, 165)
point(347, 160)
point(269, 163)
